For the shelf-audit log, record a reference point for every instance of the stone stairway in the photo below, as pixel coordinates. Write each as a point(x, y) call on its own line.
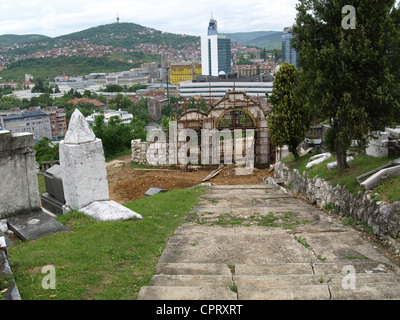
point(260, 243)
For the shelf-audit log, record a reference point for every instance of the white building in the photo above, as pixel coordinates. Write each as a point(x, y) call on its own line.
point(215, 52)
point(123, 115)
point(216, 88)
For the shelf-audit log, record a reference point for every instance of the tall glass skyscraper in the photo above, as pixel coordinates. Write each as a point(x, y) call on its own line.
point(215, 51)
point(289, 54)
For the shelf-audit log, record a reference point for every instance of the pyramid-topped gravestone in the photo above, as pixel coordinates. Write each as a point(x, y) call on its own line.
point(79, 130)
point(84, 174)
point(83, 166)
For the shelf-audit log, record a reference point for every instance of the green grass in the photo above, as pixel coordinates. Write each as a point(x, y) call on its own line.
point(388, 191)
point(102, 260)
point(42, 185)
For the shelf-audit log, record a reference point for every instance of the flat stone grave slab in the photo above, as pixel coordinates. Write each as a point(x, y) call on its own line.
point(109, 211)
point(34, 225)
point(153, 191)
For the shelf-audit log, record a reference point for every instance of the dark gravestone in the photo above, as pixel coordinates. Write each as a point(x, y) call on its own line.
point(53, 200)
point(34, 225)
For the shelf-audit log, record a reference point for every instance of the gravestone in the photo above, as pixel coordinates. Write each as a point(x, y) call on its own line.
point(84, 174)
point(53, 200)
point(153, 191)
point(83, 167)
point(19, 191)
point(18, 183)
point(378, 147)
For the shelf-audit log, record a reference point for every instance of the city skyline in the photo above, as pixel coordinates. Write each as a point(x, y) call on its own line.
point(175, 16)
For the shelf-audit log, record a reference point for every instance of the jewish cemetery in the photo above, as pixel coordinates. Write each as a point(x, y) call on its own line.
point(261, 173)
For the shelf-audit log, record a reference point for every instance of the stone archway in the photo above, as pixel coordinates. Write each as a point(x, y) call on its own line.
point(236, 110)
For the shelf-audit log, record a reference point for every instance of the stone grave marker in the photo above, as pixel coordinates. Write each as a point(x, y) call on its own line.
point(84, 174)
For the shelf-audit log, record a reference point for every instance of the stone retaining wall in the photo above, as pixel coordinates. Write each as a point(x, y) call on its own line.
point(139, 151)
point(383, 218)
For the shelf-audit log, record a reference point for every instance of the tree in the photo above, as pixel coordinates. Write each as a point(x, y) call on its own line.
point(349, 75)
point(290, 120)
point(46, 151)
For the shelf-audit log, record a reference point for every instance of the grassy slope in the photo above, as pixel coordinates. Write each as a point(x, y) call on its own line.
point(388, 191)
point(102, 260)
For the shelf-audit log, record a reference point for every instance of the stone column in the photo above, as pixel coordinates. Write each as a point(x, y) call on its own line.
point(83, 167)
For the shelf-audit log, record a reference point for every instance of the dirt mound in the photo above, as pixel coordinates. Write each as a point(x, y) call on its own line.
point(127, 183)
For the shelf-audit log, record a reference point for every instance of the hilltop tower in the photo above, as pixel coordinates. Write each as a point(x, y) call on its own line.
point(117, 18)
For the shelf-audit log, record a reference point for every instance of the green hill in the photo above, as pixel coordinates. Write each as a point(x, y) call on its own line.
point(262, 39)
point(48, 68)
point(11, 39)
point(128, 35)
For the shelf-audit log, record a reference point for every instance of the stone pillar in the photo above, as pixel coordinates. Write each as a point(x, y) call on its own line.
point(18, 183)
point(83, 166)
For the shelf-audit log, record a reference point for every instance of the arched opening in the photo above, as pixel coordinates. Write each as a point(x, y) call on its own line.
point(236, 119)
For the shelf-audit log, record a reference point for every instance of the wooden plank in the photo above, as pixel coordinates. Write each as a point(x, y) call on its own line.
point(212, 175)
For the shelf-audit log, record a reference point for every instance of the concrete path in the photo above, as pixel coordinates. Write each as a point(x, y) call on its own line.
point(259, 243)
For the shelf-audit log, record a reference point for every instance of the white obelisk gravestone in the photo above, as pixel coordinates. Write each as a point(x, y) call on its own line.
point(83, 166)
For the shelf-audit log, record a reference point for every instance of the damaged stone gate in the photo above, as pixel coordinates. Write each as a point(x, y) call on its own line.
point(235, 111)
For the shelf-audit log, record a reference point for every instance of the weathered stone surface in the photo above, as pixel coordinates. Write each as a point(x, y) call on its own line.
point(34, 225)
point(338, 199)
point(318, 159)
point(12, 292)
point(378, 147)
point(79, 131)
point(382, 175)
point(84, 173)
point(257, 262)
point(83, 167)
point(153, 191)
point(109, 211)
point(18, 183)
point(333, 165)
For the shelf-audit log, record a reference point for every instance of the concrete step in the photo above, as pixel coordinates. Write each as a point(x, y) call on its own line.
point(274, 269)
point(320, 269)
point(192, 280)
point(360, 266)
point(193, 269)
point(282, 281)
point(304, 292)
point(186, 293)
point(368, 291)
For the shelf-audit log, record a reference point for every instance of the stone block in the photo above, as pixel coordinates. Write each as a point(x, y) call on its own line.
point(18, 183)
point(34, 225)
point(109, 211)
point(318, 159)
point(333, 165)
point(84, 173)
point(382, 175)
point(51, 204)
point(153, 191)
point(83, 166)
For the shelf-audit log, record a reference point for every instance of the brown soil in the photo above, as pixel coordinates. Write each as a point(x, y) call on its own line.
point(127, 183)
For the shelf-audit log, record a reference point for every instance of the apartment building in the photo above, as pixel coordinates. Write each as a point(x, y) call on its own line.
point(36, 122)
point(58, 122)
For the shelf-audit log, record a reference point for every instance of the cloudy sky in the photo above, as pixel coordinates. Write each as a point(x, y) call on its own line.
point(54, 18)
